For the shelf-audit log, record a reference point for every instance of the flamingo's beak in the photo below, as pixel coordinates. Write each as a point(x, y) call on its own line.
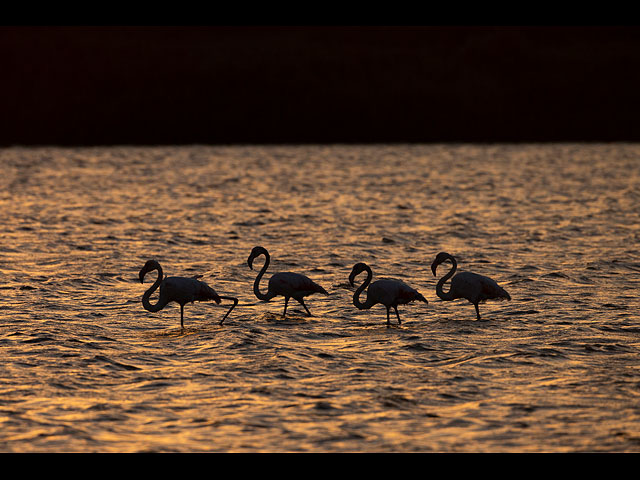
point(142, 273)
point(434, 265)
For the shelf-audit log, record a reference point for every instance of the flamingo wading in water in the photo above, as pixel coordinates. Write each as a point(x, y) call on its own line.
point(181, 290)
point(287, 284)
point(475, 288)
point(388, 292)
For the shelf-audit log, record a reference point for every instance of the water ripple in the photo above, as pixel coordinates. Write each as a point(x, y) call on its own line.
point(86, 368)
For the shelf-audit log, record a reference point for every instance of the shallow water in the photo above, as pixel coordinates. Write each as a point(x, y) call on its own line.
point(86, 369)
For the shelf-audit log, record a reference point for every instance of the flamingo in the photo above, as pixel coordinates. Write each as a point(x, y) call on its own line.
point(475, 288)
point(181, 290)
point(287, 284)
point(388, 292)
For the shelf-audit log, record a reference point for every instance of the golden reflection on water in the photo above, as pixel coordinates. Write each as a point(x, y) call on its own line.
point(86, 368)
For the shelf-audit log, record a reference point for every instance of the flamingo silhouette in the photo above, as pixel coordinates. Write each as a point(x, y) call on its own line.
point(388, 292)
point(287, 284)
point(181, 290)
point(475, 288)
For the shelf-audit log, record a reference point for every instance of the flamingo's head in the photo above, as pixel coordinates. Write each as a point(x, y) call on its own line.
point(149, 266)
point(441, 257)
point(358, 268)
point(257, 251)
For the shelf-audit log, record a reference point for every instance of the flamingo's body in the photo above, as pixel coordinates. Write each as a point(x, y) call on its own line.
point(287, 284)
point(181, 290)
point(388, 292)
point(475, 288)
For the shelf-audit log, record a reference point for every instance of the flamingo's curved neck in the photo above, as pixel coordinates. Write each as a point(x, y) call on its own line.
point(439, 287)
point(256, 284)
point(360, 289)
point(161, 303)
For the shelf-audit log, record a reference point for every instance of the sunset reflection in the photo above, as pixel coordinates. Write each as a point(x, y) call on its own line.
point(88, 369)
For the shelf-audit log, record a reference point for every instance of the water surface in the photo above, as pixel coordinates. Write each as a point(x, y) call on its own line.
point(86, 369)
